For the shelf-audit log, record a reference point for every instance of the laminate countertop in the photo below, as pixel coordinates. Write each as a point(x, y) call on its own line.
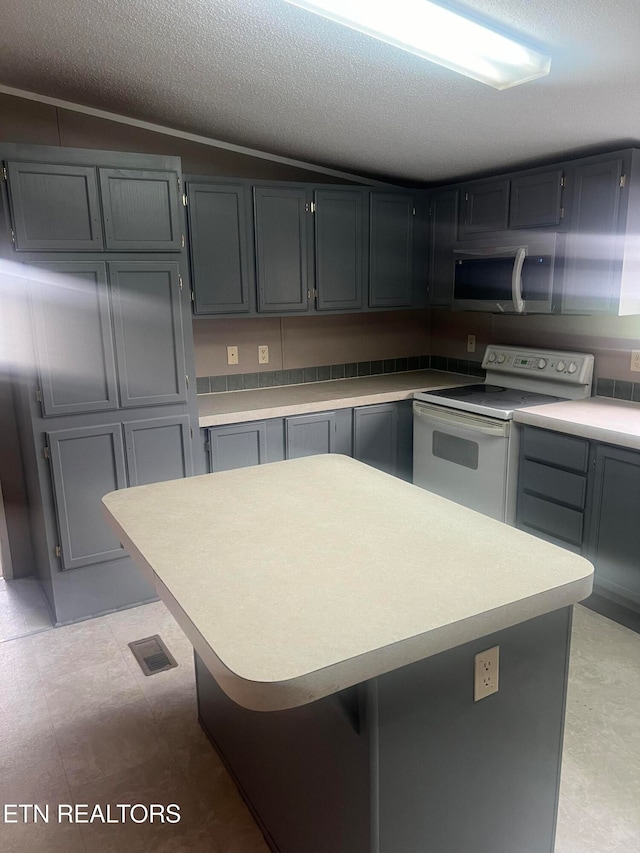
point(296, 579)
point(599, 418)
point(230, 407)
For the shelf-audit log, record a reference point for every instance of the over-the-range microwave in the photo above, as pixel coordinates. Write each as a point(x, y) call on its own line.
point(514, 276)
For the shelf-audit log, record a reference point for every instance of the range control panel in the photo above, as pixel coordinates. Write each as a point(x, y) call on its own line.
point(574, 368)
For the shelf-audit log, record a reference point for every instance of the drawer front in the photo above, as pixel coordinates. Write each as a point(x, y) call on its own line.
point(562, 450)
point(558, 521)
point(561, 486)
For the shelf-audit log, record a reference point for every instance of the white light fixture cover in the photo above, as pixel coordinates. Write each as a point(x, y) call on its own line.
point(439, 35)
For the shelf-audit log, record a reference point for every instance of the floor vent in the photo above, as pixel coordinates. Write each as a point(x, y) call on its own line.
point(152, 655)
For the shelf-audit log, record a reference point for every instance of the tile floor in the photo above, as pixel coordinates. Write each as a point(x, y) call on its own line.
point(80, 723)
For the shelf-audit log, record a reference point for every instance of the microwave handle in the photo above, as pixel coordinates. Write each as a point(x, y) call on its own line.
point(516, 281)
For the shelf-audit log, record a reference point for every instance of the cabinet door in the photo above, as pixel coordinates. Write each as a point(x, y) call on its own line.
point(391, 250)
point(158, 449)
point(614, 542)
point(149, 336)
point(282, 246)
point(86, 463)
point(340, 248)
point(54, 208)
point(592, 252)
point(375, 436)
point(221, 271)
point(307, 435)
point(73, 338)
point(485, 208)
point(142, 210)
point(535, 200)
point(237, 446)
point(443, 225)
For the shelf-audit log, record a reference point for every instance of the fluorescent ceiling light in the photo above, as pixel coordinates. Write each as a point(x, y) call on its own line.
point(439, 35)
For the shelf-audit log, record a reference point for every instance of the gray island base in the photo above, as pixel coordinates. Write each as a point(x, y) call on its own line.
point(335, 657)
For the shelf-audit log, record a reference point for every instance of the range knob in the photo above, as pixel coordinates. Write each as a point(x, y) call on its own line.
point(573, 367)
point(542, 363)
point(492, 357)
point(501, 358)
point(560, 367)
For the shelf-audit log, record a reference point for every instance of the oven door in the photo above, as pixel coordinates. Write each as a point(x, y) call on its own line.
point(462, 457)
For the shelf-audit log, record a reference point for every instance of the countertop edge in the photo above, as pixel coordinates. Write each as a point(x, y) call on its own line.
point(309, 687)
point(593, 431)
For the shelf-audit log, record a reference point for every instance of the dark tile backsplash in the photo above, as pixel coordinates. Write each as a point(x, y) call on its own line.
point(296, 376)
point(620, 389)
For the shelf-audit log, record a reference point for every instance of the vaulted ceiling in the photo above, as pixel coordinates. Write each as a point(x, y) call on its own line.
point(267, 75)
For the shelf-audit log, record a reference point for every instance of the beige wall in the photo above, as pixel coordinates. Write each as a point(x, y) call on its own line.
point(610, 339)
point(309, 341)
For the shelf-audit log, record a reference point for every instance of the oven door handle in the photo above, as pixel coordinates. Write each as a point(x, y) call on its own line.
point(462, 420)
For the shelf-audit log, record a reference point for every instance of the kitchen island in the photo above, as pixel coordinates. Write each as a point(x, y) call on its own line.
point(335, 614)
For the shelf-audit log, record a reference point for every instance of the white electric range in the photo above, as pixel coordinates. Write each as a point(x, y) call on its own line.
point(465, 444)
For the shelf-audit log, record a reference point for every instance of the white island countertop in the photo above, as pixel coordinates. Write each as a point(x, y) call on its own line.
point(228, 407)
point(598, 418)
point(297, 579)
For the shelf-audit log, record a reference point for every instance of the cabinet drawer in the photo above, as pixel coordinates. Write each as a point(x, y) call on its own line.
point(560, 486)
point(551, 518)
point(556, 449)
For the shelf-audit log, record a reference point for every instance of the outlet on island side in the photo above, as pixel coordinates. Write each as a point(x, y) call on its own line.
point(635, 361)
point(486, 672)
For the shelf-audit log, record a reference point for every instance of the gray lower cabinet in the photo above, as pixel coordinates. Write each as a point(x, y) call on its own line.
point(383, 437)
point(320, 432)
point(158, 449)
point(552, 486)
point(613, 543)
point(242, 445)
point(86, 463)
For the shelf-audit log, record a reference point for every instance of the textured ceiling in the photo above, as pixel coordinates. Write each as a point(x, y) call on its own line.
point(264, 74)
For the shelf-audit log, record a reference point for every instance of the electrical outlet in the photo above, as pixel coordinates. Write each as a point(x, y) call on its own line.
point(635, 361)
point(486, 671)
point(263, 355)
point(232, 355)
point(471, 343)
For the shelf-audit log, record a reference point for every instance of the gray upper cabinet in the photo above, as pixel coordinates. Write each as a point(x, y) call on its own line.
point(339, 248)
point(142, 210)
point(536, 200)
point(221, 264)
point(158, 449)
point(73, 338)
point(281, 242)
point(485, 207)
point(614, 533)
point(391, 250)
point(54, 207)
point(443, 226)
point(592, 263)
point(86, 463)
point(149, 334)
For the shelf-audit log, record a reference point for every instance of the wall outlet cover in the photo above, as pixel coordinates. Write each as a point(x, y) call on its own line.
point(635, 361)
point(263, 354)
point(471, 343)
point(486, 673)
point(232, 355)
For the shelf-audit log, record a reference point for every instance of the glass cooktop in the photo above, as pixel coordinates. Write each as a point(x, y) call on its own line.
point(492, 400)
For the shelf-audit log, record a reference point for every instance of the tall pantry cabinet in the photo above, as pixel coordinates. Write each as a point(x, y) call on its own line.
point(109, 400)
